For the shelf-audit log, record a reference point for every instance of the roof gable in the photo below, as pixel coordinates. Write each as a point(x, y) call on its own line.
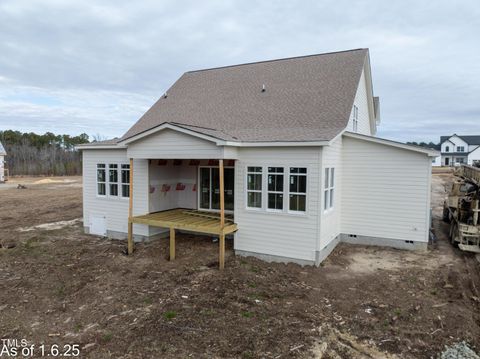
point(2, 150)
point(470, 140)
point(304, 99)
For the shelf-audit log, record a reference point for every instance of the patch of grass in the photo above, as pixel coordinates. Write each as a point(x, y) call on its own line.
point(148, 300)
point(244, 262)
point(247, 314)
point(433, 292)
point(77, 327)
point(207, 312)
point(247, 355)
point(60, 291)
point(253, 269)
point(169, 315)
point(252, 285)
point(107, 337)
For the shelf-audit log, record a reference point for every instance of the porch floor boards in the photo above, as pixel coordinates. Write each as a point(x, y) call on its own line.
point(188, 220)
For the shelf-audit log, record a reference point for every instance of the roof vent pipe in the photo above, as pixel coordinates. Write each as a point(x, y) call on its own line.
point(263, 88)
point(165, 95)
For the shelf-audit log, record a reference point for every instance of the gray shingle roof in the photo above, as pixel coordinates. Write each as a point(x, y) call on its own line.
point(306, 98)
point(471, 140)
point(2, 150)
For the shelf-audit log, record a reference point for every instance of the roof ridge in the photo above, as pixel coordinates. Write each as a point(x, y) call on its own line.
point(275, 60)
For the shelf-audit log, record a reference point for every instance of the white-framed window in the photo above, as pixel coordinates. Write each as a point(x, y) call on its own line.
point(355, 118)
point(101, 179)
point(460, 160)
point(447, 149)
point(125, 178)
point(113, 179)
point(329, 189)
point(460, 148)
point(297, 189)
point(275, 188)
point(254, 187)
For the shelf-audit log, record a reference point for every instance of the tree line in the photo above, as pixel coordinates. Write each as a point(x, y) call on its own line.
point(435, 146)
point(47, 154)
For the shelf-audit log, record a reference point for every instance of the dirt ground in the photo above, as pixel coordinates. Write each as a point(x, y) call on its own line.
point(61, 286)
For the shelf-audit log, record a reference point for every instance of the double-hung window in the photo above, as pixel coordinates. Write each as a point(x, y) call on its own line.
point(355, 118)
point(254, 187)
point(329, 191)
point(461, 149)
point(297, 189)
point(275, 188)
point(113, 179)
point(101, 179)
point(125, 177)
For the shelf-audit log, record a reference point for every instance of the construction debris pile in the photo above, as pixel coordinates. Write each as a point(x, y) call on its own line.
point(462, 209)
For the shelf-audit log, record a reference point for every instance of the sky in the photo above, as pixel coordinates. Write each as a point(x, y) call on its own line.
point(96, 66)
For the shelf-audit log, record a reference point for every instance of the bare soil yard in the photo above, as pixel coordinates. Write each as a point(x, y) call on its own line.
point(60, 286)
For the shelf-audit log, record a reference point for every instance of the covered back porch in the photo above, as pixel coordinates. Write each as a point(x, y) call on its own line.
point(187, 195)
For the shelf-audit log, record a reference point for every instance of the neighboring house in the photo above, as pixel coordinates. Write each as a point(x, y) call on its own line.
point(303, 168)
point(457, 150)
point(3, 153)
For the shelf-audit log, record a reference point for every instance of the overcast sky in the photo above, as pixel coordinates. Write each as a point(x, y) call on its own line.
point(97, 66)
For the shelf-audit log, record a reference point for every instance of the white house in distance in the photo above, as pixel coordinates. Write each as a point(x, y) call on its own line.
point(303, 169)
point(457, 150)
point(3, 153)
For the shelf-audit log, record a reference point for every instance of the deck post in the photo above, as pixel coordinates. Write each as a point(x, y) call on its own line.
point(130, 246)
point(221, 257)
point(172, 243)
point(221, 261)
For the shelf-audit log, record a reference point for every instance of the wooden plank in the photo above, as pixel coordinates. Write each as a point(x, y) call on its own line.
point(222, 194)
point(221, 255)
point(172, 243)
point(130, 246)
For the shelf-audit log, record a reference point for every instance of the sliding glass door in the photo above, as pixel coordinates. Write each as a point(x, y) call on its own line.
point(210, 188)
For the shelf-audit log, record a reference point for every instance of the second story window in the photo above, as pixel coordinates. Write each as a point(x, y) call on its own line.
point(355, 118)
point(460, 148)
point(447, 149)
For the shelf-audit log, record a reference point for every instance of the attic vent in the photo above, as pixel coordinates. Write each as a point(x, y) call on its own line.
point(263, 88)
point(165, 95)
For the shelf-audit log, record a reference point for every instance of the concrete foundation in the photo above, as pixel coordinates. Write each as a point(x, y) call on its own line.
point(272, 258)
point(383, 242)
point(321, 255)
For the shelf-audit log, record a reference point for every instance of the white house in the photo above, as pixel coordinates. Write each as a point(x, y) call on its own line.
point(458, 150)
point(3, 153)
point(302, 168)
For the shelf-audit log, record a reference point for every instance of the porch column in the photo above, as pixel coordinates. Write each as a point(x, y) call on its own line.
point(221, 259)
point(130, 211)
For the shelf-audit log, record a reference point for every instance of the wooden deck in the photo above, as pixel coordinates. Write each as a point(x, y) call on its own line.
point(188, 220)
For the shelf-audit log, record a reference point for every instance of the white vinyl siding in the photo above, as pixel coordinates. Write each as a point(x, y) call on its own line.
point(113, 209)
point(360, 113)
point(474, 156)
point(170, 144)
point(330, 219)
point(275, 233)
point(385, 191)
